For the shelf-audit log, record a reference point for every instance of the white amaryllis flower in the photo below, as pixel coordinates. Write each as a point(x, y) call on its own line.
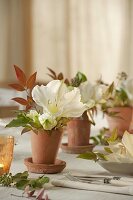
point(47, 121)
point(91, 94)
point(56, 99)
point(122, 151)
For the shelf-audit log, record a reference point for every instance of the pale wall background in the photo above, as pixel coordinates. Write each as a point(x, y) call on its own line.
point(92, 36)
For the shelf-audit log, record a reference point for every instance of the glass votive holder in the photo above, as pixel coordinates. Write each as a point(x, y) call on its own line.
point(6, 153)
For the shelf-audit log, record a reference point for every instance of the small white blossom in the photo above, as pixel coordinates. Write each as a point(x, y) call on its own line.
point(34, 115)
point(47, 121)
point(91, 94)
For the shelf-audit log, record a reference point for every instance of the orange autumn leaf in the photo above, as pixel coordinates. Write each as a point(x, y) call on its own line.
point(20, 75)
point(20, 100)
point(28, 107)
point(31, 81)
point(17, 86)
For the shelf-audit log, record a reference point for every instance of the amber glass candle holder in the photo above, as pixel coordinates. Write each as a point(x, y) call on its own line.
point(6, 153)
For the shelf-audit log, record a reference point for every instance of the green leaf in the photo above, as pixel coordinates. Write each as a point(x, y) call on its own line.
point(113, 137)
point(20, 176)
point(24, 174)
point(109, 91)
point(22, 184)
point(95, 140)
point(88, 156)
point(43, 180)
point(108, 150)
point(20, 121)
point(123, 95)
point(26, 129)
point(33, 184)
point(101, 156)
point(38, 183)
point(78, 79)
point(81, 77)
point(21, 181)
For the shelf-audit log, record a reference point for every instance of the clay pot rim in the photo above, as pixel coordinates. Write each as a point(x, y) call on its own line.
point(120, 107)
point(49, 132)
point(58, 162)
point(79, 119)
point(77, 149)
point(57, 167)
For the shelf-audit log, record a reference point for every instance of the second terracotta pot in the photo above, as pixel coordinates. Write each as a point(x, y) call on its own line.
point(123, 121)
point(45, 146)
point(78, 132)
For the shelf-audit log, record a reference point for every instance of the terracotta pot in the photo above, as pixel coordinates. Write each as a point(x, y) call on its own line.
point(124, 122)
point(45, 146)
point(78, 132)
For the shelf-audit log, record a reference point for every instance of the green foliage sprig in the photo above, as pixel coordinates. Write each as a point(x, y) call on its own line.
point(75, 82)
point(78, 79)
point(98, 155)
point(93, 156)
point(24, 121)
point(117, 95)
point(22, 180)
point(100, 138)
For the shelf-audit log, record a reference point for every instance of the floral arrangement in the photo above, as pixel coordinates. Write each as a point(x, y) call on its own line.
point(47, 107)
point(121, 94)
point(116, 151)
point(92, 95)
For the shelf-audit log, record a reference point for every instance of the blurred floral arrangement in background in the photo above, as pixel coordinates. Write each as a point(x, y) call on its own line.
point(121, 94)
point(118, 150)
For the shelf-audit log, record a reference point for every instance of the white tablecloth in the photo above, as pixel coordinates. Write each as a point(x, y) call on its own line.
point(23, 150)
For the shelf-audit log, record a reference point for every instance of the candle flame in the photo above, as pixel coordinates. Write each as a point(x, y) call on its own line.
point(1, 165)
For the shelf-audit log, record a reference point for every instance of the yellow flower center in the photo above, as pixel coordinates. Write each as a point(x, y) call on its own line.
point(53, 108)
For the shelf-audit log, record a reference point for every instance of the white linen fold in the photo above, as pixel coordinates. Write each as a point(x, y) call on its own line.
point(127, 190)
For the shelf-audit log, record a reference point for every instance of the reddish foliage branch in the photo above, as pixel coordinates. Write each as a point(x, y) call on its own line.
point(24, 84)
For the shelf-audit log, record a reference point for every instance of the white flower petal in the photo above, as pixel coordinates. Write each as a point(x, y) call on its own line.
point(73, 107)
point(127, 140)
point(91, 93)
point(32, 114)
point(40, 95)
point(86, 90)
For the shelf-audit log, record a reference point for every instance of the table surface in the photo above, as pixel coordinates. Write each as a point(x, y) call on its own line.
point(23, 150)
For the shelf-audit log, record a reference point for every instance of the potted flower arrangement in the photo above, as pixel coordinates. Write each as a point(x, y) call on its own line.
point(118, 108)
point(48, 109)
point(78, 128)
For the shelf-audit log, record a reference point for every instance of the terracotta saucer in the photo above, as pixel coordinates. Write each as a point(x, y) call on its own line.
point(76, 149)
point(45, 168)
